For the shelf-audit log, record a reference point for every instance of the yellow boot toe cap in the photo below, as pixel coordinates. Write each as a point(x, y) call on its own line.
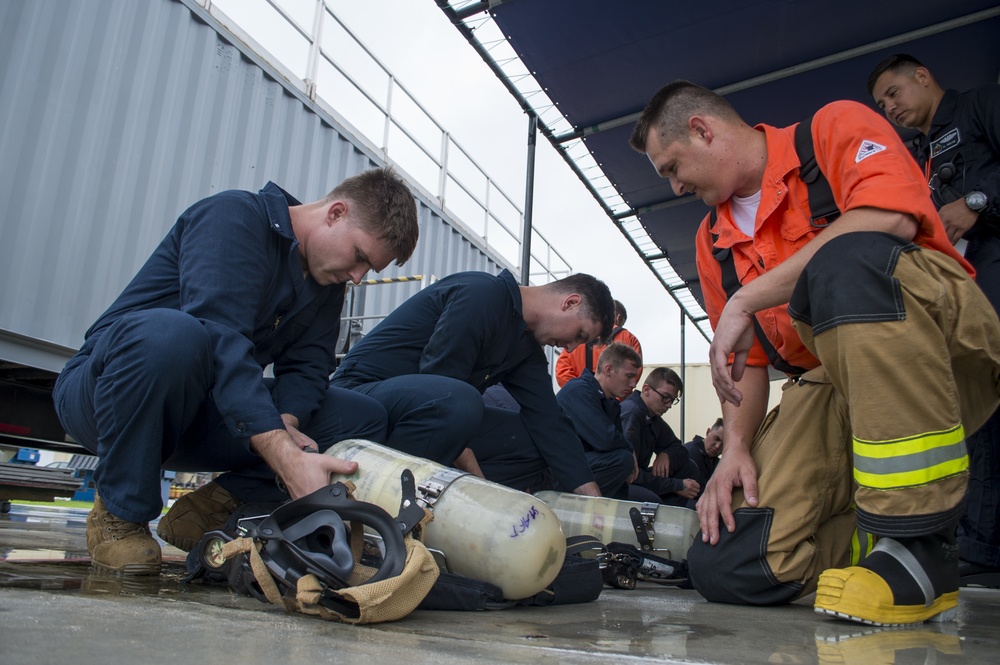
point(858, 594)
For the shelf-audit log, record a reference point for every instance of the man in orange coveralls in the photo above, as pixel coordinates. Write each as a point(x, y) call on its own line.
point(893, 351)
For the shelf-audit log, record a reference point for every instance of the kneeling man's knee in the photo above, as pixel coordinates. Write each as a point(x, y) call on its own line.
point(735, 570)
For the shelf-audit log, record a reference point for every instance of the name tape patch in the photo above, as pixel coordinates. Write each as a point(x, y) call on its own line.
point(945, 142)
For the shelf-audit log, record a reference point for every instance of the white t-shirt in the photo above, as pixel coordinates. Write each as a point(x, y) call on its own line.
point(744, 210)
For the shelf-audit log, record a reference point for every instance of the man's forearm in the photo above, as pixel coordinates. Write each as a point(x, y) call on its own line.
point(775, 287)
point(742, 422)
point(276, 447)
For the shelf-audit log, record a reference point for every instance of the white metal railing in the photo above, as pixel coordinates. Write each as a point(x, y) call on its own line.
point(407, 136)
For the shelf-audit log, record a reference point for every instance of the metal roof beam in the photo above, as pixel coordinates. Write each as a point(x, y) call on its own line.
point(817, 63)
point(662, 205)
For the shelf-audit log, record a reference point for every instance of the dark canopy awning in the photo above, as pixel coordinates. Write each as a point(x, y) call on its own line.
point(599, 61)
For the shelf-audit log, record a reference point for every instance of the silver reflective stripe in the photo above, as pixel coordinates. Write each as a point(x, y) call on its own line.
point(903, 556)
point(913, 462)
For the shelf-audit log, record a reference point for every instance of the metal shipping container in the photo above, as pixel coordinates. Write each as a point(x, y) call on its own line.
point(115, 115)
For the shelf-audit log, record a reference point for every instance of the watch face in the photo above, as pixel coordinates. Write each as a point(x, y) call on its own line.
point(976, 201)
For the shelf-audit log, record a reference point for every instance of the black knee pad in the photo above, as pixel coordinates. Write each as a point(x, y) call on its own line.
point(735, 570)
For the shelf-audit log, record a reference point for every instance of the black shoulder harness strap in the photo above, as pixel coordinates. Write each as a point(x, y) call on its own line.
point(822, 206)
point(821, 202)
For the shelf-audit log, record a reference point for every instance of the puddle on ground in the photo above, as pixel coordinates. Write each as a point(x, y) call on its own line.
point(69, 575)
point(45, 548)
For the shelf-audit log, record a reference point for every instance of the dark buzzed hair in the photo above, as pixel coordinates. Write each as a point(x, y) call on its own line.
point(900, 63)
point(672, 106)
point(620, 312)
point(617, 355)
point(385, 208)
point(597, 303)
point(662, 375)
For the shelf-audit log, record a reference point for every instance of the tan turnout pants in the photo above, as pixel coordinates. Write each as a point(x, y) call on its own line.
point(870, 442)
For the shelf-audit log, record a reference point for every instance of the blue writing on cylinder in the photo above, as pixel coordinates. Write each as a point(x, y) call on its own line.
point(524, 523)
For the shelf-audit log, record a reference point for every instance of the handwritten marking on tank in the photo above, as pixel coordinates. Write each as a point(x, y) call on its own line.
point(525, 522)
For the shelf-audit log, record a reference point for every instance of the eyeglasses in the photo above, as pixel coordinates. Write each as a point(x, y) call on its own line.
point(668, 399)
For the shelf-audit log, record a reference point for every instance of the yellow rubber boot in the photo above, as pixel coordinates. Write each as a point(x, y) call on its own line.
point(901, 582)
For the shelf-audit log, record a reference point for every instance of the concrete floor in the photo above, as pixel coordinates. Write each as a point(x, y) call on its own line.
point(53, 609)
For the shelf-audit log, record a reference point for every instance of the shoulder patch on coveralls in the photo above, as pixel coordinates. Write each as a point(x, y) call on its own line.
point(867, 149)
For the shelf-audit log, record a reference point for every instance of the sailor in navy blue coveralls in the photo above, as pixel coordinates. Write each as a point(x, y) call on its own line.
point(171, 375)
point(428, 363)
point(597, 420)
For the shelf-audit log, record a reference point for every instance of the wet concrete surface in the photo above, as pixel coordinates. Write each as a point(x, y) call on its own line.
point(54, 608)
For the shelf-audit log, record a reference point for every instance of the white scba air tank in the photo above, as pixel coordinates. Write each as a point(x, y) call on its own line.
point(609, 520)
point(485, 530)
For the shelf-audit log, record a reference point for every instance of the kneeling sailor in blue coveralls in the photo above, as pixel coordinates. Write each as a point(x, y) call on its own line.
point(171, 375)
point(429, 361)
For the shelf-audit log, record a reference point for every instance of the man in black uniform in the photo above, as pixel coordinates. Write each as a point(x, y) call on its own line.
point(959, 148)
point(670, 475)
point(705, 451)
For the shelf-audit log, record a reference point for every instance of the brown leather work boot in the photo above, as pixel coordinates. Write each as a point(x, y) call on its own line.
point(205, 509)
point(120, 546)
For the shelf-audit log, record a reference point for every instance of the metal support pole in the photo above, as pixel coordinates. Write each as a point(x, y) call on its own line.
point(529, 200)
point(388, 118)
point(683, 370)
point(486, 211)
point(443, 173)
point(315, 45)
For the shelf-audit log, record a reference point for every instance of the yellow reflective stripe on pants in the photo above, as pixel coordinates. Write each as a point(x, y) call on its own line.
point(910, 462)
point(862, 543)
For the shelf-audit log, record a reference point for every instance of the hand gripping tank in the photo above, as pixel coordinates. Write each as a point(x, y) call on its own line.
point(485, 530)
point(609, 520)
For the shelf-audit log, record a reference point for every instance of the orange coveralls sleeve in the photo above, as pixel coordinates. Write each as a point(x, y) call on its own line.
point(569, 365)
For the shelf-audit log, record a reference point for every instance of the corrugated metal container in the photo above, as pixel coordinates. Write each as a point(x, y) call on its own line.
point(115, 115)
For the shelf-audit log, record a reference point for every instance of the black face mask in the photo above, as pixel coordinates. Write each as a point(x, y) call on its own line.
point(308, 536)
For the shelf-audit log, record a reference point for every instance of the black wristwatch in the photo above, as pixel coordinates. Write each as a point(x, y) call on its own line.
point(976, 201)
